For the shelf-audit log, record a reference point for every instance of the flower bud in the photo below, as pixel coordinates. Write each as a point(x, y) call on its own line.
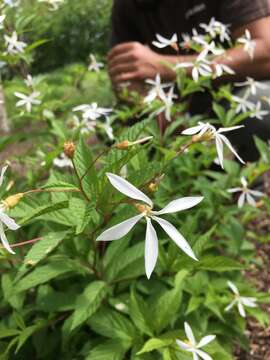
point(13, 200)
point(69, 149)
point(207, 136)
point(124, 145)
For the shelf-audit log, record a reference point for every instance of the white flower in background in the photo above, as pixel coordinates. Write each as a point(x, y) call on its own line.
point(157, 89)
point(222, 69)
point(189, 39)
point(146, 211)
point(107, 127)
point(2, 19)
point(14, 46)
point(210, 48)
point(257, 111)
point(92, 111)
point(240, 301)
point(84, 125)
point(247, 194)
point(62, 161)
point(120, 307)
point(208, 130)
point(12, 3)
point(248, 43)
point(200, 67)
point(251, 85)
point(192, 346)
point(54, 4)
point(163, 42)
point(243, 105)
point(94, 65)
point(5, 219)
point(28, 100)
point(168, 102)
point(216, 28)
point(29, 81)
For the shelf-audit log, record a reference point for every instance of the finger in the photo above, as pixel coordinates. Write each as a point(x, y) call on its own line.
point(120, 49)
point(122, 58)
point(126, 77)
point(122, 68)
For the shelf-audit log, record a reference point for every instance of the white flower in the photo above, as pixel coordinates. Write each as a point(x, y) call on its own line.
point(189, 39)
point(220, 139)
point(5, 219)
point(157, 89)
point(247, 194)
point(210, 48)
point(201, 67)
point(94, 65)
point(216, 28)
point(146, 210)
point(92, 111)
point(54, 4)
point(107, 128)
point(222, 69)
point(167, 100)
point(163, 42)
point(2, 19)
point(28, 100)
point(240, 301)
point(193, 347)
point(28, 81)
point(252, 85)
point(62, 161)
point(120, 307)
point(248, 43)
point(14, 46)
point(243, 104)
point(257, 111)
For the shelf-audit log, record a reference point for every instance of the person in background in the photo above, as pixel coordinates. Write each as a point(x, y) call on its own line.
point(133, 58)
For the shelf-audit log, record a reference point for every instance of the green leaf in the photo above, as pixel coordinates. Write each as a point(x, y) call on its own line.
point(45, 209)
point(28, 332)
point(112, 324)
point(60, 185)
point(154, 344)
point(43, 274)
point(219, 264)
point(8, 333)
point(139, 313)
point(88, 303)
point(109, 349)
point(42, 249)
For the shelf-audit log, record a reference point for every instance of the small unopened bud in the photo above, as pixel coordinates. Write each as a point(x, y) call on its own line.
point(126, 144)
point(153, 187)
point(69, 149)
point(13, 200)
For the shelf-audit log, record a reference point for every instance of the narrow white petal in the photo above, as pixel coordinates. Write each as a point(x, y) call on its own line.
point(206, 340)
point(256, 193)
point(249, 301)
point(195, 356)
point(180, 204)
point(241, 200)
point(175, 236)
point(250, 200)
point(8, 221)
point(183, 345)
point(4, 240)
point(222, 130)
point(118, 231)
point(3, 170)
point(233, 190)
point(204, 355)
point(219, 146)
point(231, 305)
point(159, 45)
point(227, 142)
point(189, 333)
point(193, 130)
point(151, 248)
point(241, 309)
point(128, 189)
point(233, 288)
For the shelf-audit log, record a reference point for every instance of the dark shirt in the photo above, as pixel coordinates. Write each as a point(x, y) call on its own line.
point(140, 20)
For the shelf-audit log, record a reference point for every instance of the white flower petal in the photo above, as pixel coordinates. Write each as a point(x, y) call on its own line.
point(227, 142)
point(180, 204)
point(249, 301)
point(231, 305)
point(8, 221)
point(233, 288)
point(222, 130)
point(128, 189)
point(250, 200)
point(241, 309)
point(241, 200)
point(151, 248)
point(175, 236)
point(4, 240)
point(233, 190)
point(206, 340)
point(204, 355)
point(219, 146)
point(193, 130)
point(118, 231)
point(183, 345)
point(3, 170)
point(189, 334)
point(256, 193)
